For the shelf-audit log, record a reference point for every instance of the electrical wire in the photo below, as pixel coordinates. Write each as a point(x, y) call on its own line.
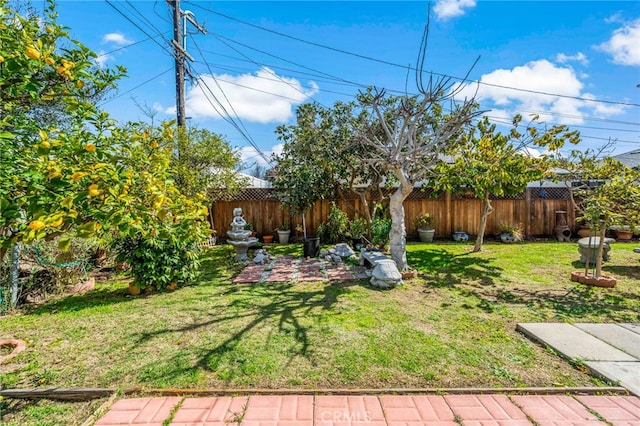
point(245, 130)
point(136, 87)
point(405, 67)
point(111, 3)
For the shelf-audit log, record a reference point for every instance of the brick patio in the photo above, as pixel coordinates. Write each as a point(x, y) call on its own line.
point(290, 269)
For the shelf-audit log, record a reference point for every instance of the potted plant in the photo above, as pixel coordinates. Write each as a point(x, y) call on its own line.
point(510, 233)
point(284, 231)
point(425, 231)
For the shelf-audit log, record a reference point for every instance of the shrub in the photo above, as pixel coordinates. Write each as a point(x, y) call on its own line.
point(357, 228)
point(157, 262)
point(380, 229)
point(334, 230)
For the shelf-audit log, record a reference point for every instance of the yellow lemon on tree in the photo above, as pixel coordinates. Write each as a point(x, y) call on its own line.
point(50, 60)
point(94, 190)
point(77, 176)
point(36, 225)
point(32, 52)
point(45, 145)
point(57, 222)
point(90, 147)
point(154, 145)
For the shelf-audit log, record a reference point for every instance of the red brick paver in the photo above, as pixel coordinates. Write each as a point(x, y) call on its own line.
point(487, 410)
point(556, 410)
point(618, 410)
point(401, 410)
point(348, 411)
point(139, 411)
point(286, 410)
point(220, 411)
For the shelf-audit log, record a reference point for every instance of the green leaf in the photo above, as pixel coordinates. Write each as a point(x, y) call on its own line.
point(64, 244)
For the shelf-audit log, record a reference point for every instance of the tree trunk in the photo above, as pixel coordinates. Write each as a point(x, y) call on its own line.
point(602, 233)
point(487, 209)
point(398, 234)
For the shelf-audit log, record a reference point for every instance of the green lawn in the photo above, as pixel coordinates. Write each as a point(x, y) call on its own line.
point(453, 326)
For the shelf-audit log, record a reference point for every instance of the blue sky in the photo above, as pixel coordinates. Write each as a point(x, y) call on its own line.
point(574, 62)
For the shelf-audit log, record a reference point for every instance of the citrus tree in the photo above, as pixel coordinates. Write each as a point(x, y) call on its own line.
point(50, 175)
point(88, 176)
point(490, 163)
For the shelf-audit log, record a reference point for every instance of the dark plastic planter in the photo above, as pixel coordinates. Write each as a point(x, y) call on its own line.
point(311, 247)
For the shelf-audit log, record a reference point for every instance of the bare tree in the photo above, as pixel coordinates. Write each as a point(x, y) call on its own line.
point(406, 135)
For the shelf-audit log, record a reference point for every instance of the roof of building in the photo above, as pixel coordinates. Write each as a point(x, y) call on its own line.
point(629, 159)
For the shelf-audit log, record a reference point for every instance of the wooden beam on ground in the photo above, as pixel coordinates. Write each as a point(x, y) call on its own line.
point(77, 394)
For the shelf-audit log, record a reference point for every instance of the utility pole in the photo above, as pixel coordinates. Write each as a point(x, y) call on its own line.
point(179, 63)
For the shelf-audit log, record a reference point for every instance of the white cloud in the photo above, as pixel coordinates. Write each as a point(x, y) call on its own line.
point(102, 59)
point(539, 81)
point(116, 38)
point(446, 9)
point(262, 97)
point(578, 57)
point(531, 152)
point(624, 44)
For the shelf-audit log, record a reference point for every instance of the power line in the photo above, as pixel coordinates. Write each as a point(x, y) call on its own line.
point(110, 3)
point(136, 87)
point(245, 132)
point(405, 67)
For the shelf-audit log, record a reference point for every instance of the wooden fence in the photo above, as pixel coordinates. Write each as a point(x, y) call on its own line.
point(535, 210)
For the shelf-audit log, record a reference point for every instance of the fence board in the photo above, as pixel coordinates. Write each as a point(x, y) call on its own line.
point(449, 214)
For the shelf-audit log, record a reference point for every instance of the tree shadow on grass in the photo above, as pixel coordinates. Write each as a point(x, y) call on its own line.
point(78, 302)
point(287, 308)
point(478, 278)
point(441, 268)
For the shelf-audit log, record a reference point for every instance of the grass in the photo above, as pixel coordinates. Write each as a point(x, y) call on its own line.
point(453, 326)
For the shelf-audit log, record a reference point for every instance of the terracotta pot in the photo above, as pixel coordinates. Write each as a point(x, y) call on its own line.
point(172, 286)
point(268, 239)
point(134, 290)
point(623, 235)
point(602, 281)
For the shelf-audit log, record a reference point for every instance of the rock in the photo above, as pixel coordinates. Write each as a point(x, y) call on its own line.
point(324, 252)
point(261, 257)
point(343, 250)
point(335, 258)
point(328, 258)
point(636, 250)
point(385, 274)
point(588, 247)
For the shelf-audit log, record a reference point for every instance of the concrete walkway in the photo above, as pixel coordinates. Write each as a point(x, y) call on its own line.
point(610, 351)
point(391, 410)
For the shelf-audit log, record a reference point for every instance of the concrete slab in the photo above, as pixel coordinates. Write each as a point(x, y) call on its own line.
point(573, 343)
point(615, 335)
point(633, 327)
point(625, 373)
